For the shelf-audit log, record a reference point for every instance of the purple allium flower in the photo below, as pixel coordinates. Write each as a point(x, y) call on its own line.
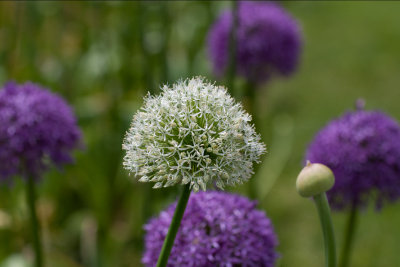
point(268, 41)
point(37, 128)
point(363, 150)
point(217, 229)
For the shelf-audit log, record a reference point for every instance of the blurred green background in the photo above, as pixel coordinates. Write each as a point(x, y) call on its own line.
point(103, 57)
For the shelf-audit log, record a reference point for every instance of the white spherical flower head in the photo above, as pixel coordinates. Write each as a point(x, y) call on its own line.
point(193, 132)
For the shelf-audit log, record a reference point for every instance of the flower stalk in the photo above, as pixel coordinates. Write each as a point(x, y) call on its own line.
point(31, 200)
point(324, 213)
point(173, 228)
point(231, 69)
point(349, 237)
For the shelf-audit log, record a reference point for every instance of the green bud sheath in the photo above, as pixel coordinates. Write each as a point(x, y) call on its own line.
point(314, 179)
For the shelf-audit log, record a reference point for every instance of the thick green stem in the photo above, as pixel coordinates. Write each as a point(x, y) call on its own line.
point(164, 50)
point(147, 65)
point(327, 228)
point(31, 200)
point(250, 106)
point(173, 228)
point(231, 69)
point(349, 237)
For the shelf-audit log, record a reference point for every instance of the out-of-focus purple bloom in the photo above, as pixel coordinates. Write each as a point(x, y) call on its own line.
point(37, 128)
point(217, 229)
point(363, 150)
point(268, 41)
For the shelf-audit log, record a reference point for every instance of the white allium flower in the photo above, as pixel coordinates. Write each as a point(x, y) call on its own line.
point(195, 133)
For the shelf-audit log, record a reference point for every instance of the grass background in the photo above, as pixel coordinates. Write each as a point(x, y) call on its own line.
point(103, 57)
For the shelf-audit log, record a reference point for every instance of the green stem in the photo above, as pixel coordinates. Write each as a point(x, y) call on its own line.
point(231, 69)
point(164, 50)
point(327, 228)
point(250, 97)
point(146, 207)
point(349, 237)
point(147, 65)
point(31, 200)
point(173, 228)
point(250, 106)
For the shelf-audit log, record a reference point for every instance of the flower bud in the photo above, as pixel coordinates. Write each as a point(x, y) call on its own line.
point(314, 179)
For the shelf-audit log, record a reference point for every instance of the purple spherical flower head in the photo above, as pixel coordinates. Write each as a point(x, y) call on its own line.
point(217, 229)
point(37, 128)
point(363, 150)
point(268, 41)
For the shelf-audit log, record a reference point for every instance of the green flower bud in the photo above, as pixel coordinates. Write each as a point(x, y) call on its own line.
point(314, 179)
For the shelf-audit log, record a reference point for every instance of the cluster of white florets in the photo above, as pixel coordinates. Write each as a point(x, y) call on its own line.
point(193, 132)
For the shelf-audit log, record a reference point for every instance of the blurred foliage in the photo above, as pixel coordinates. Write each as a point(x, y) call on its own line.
point(103, 57)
